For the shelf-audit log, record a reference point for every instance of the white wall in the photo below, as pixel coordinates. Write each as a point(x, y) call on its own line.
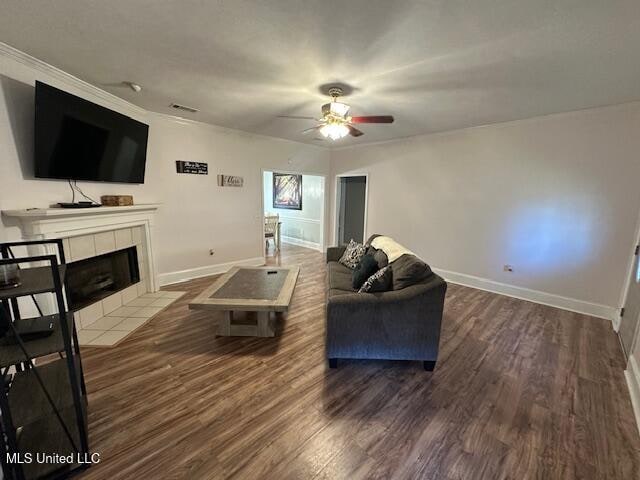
point(196, 215)
point(554, 196)
point(557, 197)
point(300, 226)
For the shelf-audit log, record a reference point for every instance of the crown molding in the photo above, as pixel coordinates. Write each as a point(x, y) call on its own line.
point(219, 128)
point(11, 53)
point(500, 124)
point(7, 51)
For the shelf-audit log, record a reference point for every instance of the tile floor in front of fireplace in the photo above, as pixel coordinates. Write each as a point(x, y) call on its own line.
point(115, 326)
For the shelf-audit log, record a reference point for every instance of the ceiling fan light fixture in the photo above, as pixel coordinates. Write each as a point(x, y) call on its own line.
point(338, 108)
point(334, 131)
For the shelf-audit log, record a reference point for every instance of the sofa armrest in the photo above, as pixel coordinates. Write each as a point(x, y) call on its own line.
point(334, 253)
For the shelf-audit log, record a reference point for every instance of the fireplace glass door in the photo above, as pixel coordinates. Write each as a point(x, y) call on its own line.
point(95, 278)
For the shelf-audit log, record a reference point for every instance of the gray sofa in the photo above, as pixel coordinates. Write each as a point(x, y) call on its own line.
point(394, 325)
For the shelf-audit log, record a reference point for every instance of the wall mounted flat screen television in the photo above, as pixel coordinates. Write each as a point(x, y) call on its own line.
point(79, 140)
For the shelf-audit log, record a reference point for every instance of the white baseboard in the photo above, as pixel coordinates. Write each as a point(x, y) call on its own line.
point(302, 243)
point(632, 373)
point(616, 322)
point(191, 273)
point(536, 296)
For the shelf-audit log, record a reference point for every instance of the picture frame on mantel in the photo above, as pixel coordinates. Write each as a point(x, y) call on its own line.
point(287, 191)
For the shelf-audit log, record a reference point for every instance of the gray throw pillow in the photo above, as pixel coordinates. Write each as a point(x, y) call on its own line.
point(352, 255)
point(409, 270)
point(381, 258)
point(378, 282)
point(364, 270)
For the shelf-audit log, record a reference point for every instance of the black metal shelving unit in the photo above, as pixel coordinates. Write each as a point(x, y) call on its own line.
point(43, 405)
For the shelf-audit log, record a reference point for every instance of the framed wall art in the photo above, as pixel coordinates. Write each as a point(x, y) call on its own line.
point(287, 191)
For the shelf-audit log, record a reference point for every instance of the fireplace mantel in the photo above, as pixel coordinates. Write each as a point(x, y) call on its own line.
point(48, 221)
point(76, 212)
point(76, 223)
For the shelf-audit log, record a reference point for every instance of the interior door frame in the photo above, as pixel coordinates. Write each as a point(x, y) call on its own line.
point(336, 240)
point(630, 276)
point(323, 223)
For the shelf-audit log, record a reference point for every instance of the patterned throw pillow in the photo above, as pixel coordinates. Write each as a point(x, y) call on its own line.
point(352, 255)
point(378, 282)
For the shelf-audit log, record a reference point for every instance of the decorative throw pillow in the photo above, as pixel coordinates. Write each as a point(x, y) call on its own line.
point(352, 255)
point(379, 255)
point(378, 282)
point(364, 270)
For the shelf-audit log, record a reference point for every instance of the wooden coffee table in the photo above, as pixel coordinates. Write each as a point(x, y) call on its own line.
point(262, 290)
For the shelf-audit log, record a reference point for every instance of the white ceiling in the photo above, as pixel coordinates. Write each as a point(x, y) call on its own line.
point(434, 65)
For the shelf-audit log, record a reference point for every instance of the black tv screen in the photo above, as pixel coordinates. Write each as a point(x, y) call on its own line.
point(79, 140)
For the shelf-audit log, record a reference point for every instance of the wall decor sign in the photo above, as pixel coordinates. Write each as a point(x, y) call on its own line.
point(287, 191)
point(230, 181)
point(195, 168)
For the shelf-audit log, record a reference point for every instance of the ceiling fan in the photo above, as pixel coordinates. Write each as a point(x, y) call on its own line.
point(336, 122)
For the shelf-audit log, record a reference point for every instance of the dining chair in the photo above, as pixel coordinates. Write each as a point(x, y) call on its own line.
point(271, 223)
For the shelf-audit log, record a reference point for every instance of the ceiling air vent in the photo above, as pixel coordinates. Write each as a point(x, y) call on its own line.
point(184, 108)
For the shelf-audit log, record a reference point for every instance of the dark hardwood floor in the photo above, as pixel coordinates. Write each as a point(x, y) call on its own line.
point(520, 391)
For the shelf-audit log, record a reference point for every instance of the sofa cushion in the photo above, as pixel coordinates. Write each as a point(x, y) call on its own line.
point(352, 254)
point(409, 270)
point(367, 267)
point(335, 292)
point(380, 281)
point(340, 277)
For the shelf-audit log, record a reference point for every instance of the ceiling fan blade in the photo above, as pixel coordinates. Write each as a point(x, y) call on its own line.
point(373, 119)
point(295, 117)
point(308, 130)
point(354, 132)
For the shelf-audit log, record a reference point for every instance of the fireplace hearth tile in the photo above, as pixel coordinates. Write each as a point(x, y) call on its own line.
point(162, 302)
point(141, 302)
point(172, 294)
point(115, 328)
point(86, 336)
point(146, 312)
point(158, 294)
point(130, 324)
point(108, 338)
point(124, 311)
point(105, 323)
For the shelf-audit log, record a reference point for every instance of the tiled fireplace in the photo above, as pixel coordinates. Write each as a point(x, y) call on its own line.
point(109, 255)
point(93, 279)
point(101, 266)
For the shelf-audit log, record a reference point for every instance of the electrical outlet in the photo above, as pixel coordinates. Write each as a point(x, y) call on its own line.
point(508, 268)
point(212, 251)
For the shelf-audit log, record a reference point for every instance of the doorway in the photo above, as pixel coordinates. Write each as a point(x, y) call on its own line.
point(293, 208)
point(631, 311)
point(351, 208)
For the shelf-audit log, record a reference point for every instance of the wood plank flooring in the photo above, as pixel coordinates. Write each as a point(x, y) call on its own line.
point(520, 391)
